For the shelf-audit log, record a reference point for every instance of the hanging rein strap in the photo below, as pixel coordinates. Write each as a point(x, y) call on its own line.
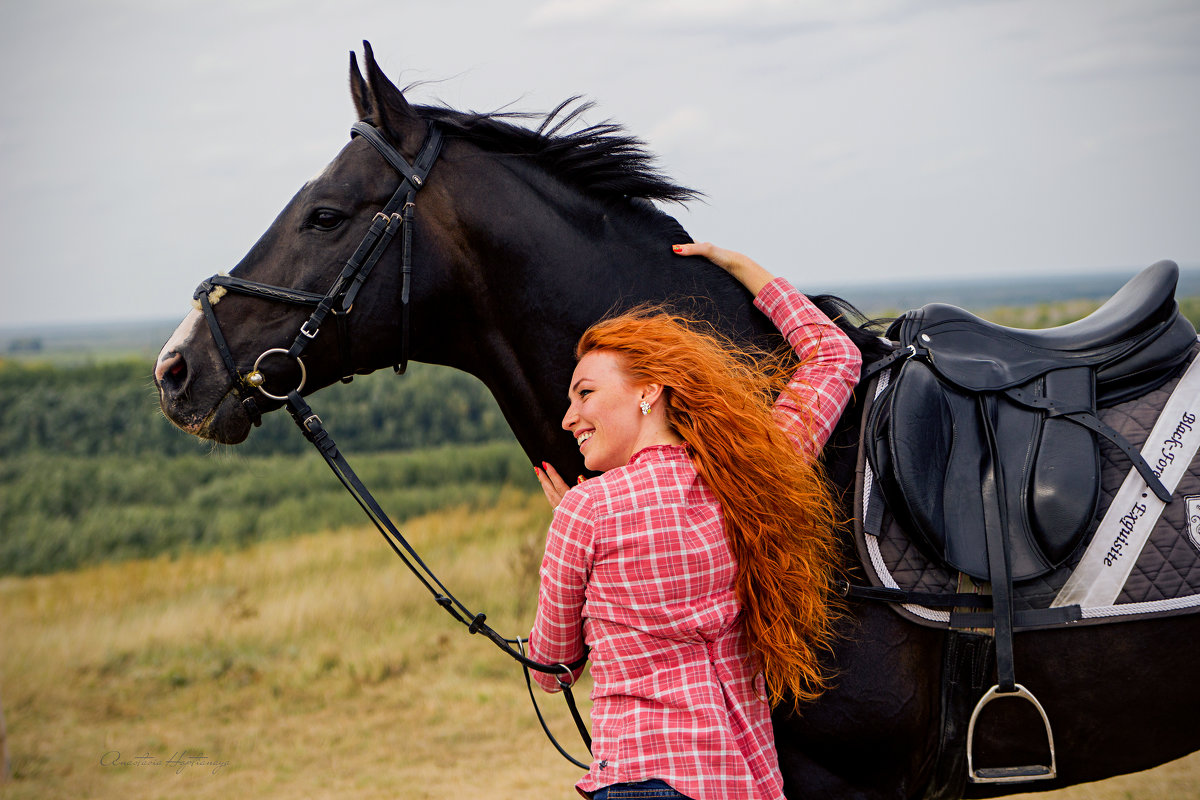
point(314, 430)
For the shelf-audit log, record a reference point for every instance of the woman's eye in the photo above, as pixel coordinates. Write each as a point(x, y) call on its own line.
point(324, 219)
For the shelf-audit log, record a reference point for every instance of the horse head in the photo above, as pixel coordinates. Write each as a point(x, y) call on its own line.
point(520, 238)
point(304, 251)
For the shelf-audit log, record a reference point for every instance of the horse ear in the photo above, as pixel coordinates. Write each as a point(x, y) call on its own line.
point(384, 102)
point(358, 89)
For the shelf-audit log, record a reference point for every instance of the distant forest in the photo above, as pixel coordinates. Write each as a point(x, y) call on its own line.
point(112, 409)
point(92, 471)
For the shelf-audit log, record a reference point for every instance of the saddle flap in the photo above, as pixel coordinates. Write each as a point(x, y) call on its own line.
point(1062, 485)
point(931, 439)
point(929, 449)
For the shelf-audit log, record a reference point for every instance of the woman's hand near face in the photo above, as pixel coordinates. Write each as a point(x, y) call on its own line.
point(747, 271)
point(553, 486)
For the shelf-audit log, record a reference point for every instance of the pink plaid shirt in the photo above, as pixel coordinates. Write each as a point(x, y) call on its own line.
point(639, 555)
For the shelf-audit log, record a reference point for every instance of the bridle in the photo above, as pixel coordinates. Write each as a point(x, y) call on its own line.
point(397, 215)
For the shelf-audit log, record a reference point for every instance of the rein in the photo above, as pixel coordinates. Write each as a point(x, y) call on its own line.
point(396, 216)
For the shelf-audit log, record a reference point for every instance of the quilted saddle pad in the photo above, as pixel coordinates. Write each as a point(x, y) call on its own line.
point(1164, 580)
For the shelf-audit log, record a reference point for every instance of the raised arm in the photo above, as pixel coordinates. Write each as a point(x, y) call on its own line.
point(821, 387)
point(749, 272)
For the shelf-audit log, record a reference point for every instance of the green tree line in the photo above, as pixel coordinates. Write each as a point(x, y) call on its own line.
point(63, 512)
point(112, 409)
point(93, 471)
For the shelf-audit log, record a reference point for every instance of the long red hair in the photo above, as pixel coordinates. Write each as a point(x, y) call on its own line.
point(779, 510)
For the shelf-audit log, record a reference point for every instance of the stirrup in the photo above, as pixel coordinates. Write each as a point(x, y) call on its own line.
point(1033, 772)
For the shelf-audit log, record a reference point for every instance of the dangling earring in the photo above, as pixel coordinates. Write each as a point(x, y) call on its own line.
point(645, 407)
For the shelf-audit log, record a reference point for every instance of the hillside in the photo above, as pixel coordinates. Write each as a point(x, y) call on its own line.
point(311, 667)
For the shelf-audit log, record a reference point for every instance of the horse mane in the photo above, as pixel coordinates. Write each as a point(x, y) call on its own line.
point(602, 160)
point(864, 331)
point(605, 161)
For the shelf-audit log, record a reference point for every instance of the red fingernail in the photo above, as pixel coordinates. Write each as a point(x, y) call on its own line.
point(678, 248)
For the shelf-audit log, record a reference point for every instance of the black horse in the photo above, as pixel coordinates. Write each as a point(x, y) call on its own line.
point(519, 240)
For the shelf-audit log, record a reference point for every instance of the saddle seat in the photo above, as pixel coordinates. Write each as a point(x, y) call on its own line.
point(1133, 341)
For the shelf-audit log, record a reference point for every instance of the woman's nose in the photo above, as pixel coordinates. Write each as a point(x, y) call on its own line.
point(570, 419)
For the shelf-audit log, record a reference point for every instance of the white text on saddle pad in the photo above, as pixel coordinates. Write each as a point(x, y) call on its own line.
point(1098, 579)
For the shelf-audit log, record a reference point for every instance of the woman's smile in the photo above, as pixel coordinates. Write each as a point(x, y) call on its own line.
point(604, 417)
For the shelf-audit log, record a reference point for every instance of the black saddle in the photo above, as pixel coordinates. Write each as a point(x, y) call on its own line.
point(984, 443)
point(971, 395)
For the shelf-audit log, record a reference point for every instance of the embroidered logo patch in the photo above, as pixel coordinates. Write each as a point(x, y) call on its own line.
point(1193, 520)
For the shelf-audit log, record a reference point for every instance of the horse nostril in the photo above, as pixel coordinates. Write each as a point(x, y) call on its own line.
point(171, 372)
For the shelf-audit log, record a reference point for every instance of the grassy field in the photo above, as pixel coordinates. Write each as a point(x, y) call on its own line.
point(312, 667)
point(304, 668)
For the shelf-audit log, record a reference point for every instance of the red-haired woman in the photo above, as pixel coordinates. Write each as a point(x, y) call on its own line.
point(697, 566)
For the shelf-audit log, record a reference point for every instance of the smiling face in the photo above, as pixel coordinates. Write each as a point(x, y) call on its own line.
point(605, 417)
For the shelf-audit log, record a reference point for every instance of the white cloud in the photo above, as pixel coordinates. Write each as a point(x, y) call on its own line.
point(903, 134)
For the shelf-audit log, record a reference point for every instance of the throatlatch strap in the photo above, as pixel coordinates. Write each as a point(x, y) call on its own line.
point(405, 283)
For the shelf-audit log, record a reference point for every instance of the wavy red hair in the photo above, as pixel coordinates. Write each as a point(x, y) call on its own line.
point(780, 512)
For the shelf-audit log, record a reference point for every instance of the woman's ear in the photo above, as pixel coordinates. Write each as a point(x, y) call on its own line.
point(652, 392)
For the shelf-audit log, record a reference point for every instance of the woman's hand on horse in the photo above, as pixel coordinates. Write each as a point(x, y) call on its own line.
point(553, 486)
point(747, 271)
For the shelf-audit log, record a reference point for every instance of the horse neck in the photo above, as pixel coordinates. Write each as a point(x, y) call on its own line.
point(549, 268)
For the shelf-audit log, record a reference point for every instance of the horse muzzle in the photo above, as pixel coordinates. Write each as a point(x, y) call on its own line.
point(195, 392)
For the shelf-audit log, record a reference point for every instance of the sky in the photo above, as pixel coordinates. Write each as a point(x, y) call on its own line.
point(146, 144)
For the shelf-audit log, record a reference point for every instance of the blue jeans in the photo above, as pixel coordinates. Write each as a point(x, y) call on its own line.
point(642, 790)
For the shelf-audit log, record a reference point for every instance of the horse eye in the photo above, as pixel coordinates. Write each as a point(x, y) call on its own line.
point(324, 219)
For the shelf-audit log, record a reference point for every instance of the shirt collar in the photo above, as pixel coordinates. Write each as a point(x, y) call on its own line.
point(661, 452)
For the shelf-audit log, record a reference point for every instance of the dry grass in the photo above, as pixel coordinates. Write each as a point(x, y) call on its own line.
point(313, 667)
